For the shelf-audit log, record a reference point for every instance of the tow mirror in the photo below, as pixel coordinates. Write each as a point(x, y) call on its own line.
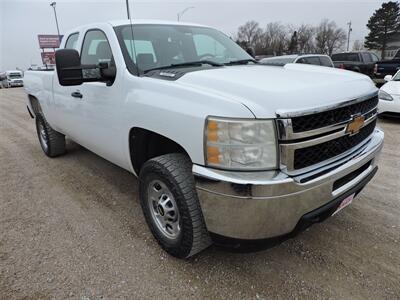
point(68, 65)
point(388, 78)
point(107, 72)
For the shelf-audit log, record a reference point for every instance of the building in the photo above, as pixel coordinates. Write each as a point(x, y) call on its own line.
point(393, 46)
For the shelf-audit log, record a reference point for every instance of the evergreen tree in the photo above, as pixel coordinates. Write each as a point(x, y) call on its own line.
point(384, 22)
point(293, 46)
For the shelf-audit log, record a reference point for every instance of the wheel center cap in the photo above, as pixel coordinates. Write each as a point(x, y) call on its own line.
point(160, 210)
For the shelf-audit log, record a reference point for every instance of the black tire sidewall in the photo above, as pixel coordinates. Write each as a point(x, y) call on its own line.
point(181, 246)
point(40, 120)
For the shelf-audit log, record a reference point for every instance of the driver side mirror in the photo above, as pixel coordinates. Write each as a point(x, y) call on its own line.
point(388, 78)
point(68, 65)
point(71, 72)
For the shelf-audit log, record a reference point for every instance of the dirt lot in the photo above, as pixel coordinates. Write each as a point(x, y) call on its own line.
point(72, 227)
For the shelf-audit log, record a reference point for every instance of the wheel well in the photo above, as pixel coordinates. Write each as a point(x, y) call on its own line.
point(35, 104)
point(145, 145)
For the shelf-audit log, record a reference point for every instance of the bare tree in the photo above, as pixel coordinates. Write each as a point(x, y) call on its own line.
point(250, 33)
point(329, 37)
point(278, 39)
point(305, 39)
point(275, 39)
point(358, 45)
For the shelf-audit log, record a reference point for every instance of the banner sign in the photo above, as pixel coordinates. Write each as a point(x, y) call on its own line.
point(49, 41)
point(49, 58)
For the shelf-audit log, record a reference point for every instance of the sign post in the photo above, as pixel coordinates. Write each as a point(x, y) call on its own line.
point(49, 41)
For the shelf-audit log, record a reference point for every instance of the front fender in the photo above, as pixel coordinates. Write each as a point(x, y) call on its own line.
point(175, 111)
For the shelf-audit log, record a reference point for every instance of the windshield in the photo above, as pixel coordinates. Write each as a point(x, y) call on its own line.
point(157, 46)
point(278, 61)
point(396, 77)
point(14, 75)
point(346, 57)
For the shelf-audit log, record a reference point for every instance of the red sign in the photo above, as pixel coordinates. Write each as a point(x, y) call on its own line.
point(49, 41)
point(49, 58)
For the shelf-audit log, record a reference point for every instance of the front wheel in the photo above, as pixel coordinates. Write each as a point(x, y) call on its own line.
point(171, 207)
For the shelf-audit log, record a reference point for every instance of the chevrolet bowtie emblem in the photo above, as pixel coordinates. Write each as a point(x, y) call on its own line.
point(355, 125)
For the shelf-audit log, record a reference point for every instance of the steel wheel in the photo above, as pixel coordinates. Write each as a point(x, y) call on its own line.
point(43, 136)
point(163, 209)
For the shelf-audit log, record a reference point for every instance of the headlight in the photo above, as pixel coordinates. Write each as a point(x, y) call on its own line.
point(240, 144)
point(384, 96)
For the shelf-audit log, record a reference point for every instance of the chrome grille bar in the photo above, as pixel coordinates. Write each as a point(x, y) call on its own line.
point(290, 141)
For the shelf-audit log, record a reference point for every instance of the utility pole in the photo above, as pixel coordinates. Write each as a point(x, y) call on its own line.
point(348, 36)
point(127, 10)
point(180, 14)
point(53, 4)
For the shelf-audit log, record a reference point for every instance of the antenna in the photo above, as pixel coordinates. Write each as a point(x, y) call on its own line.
point(132, 43)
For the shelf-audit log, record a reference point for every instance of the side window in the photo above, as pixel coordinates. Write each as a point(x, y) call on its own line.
point(374, 57)
point(325, 61)
point(366, 57)
point(72, 41)
point(312, 60)
point(96, 48)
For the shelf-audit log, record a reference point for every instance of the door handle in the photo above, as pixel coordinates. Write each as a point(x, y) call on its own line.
point(77, 95)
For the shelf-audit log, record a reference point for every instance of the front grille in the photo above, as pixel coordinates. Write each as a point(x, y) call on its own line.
point(334, 116)
point(309, 156)
point(349, 177)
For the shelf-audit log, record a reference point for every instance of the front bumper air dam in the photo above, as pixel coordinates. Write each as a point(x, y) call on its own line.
point(263, 205)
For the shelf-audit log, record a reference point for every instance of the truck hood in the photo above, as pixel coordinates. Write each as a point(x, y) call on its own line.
point(268, 91)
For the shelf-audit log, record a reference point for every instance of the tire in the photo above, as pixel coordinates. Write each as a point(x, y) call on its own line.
point(170, 176)
point(51, 141)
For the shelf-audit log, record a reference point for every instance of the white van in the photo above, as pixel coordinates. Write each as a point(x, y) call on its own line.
point(12, 78)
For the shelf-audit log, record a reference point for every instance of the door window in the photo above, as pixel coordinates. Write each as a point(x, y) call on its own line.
point(72, 41)
point(325, 61)
point(312, 60)
point(374, 57)
point(96, 48)
point(366, 57)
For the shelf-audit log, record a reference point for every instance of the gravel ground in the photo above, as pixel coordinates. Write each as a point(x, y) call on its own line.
point(72, 227)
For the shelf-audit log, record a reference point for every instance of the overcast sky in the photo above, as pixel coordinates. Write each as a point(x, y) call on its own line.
point(21, 20)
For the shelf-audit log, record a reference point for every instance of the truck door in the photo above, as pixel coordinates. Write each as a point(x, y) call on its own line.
point(96, 105)
point(64, 103)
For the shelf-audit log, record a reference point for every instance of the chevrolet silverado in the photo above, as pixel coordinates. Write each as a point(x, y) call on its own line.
point(226, 150)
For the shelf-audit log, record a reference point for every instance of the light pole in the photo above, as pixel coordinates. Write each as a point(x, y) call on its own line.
point(180, 14)
point(53, 4)
point(127, 10)
point(348, 36)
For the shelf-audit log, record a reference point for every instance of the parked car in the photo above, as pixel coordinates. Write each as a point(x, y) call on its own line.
point(226, 150)
point(12, 79)
point(361, 62)
point(389, 96)
point(310, 59)
point(387, 67)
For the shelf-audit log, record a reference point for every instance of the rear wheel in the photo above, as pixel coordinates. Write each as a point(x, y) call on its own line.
point(171, 207)
point(51, 141)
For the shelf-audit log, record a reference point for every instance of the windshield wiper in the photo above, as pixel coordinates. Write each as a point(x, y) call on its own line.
point(187, 64)
point(241, 62)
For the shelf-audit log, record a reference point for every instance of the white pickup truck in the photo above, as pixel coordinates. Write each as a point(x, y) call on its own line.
point(226, 150)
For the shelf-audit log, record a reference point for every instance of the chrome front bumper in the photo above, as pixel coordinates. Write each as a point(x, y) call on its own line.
point(262, 205)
